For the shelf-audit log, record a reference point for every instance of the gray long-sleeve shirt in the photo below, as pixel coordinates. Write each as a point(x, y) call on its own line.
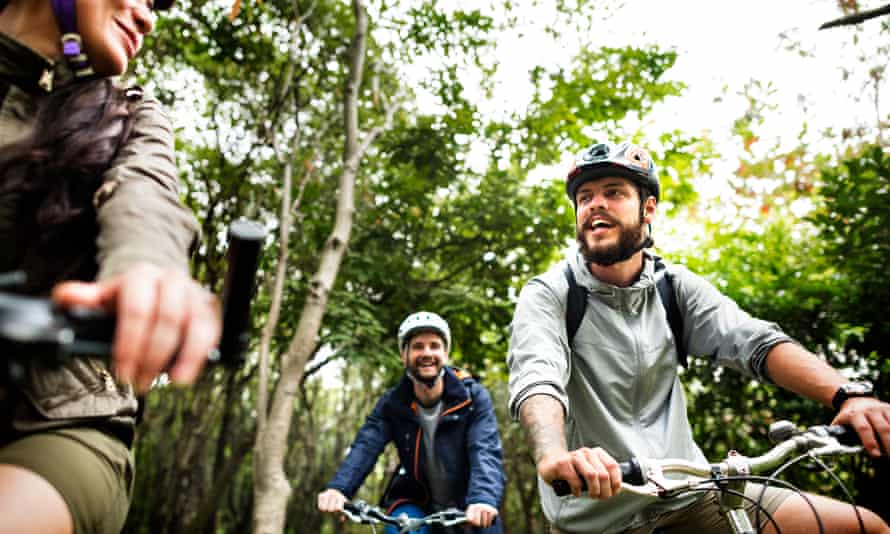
point(619, 384)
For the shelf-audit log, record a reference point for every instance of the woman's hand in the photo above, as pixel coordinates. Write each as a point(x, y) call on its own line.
point(164, 320)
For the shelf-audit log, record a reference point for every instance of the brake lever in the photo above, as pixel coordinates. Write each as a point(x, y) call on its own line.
point(659, 486)
point(356, 510)
point(449, 517)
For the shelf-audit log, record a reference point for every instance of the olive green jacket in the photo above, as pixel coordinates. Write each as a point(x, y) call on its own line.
point(140, 218)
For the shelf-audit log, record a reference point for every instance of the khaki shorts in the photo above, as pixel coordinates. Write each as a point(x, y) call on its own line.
point(92, 470)
point(704, 515)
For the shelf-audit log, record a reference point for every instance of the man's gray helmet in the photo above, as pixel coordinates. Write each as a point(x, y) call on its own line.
point(625, 160)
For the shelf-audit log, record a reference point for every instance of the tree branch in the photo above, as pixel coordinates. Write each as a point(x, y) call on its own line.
point(856, 18)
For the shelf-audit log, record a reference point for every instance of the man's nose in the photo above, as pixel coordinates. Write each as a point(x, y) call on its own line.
point(598, 201)
point(596, 204)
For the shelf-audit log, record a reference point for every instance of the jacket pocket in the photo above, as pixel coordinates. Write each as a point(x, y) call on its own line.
point(83, 388)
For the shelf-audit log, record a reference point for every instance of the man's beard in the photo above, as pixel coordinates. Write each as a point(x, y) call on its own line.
point(630, 241)
point(429, 381)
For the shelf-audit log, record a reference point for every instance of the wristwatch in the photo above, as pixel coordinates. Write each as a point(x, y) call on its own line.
point(850, 390)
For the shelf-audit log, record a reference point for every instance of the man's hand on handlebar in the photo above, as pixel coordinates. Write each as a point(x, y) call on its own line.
point(165, 320)
point(481, 515)
point(594, 465)
point(331, 501)
point(871, 419)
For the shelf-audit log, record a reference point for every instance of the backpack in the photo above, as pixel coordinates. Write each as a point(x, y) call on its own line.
point(576, 303)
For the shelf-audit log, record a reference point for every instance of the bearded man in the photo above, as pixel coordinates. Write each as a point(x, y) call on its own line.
point(443, 425)
point(607, 386)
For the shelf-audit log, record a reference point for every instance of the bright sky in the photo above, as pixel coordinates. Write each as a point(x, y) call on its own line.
point(720, 44)
point(733, 42)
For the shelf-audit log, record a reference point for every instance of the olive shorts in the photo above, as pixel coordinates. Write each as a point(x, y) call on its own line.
point(704, 515)
point(92, 470)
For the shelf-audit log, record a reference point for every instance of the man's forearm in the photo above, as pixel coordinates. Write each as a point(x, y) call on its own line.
point(543, 420)
point(794, 368)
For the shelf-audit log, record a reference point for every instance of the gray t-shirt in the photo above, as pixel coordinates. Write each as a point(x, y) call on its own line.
point(435, 472)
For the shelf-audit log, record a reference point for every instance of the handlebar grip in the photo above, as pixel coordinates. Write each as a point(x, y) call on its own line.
point(350, 506)
point(845, 434)
point(92, 325)
point(631, 472)
point(562, 488)
point(245, 243)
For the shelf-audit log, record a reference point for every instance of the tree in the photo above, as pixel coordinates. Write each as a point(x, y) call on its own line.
point(425, 227)
point(271, 486)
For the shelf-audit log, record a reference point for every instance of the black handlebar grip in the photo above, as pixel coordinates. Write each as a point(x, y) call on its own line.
point(349, 506)
point(562, 488)
point(845, 434)
point(631, 472)
point(92, 325)
point(245, 243)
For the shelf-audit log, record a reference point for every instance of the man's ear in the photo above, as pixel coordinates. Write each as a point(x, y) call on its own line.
point(650, 210)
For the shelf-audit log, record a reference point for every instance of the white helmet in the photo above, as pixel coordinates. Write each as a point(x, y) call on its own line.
point(426, 322)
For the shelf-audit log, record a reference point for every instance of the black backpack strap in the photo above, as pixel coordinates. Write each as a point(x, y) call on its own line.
point(665, 285)
point(576, 302)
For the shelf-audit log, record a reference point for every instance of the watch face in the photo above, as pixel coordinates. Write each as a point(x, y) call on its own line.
point(857, 388)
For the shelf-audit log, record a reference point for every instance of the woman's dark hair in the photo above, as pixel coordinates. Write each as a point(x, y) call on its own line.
point(56, 169)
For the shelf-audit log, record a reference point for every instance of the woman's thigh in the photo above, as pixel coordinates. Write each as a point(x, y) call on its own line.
point(92, 472)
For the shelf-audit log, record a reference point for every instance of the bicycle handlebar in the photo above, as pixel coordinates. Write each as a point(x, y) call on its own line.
point(631, 473)
point(245, 243)
point(33, 328)
point(819, 440)
point(362, 512)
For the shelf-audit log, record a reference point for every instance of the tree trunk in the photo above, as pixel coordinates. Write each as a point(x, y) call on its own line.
point(271, 487)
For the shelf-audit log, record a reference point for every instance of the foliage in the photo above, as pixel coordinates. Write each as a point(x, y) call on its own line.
point(824, 283)
point(433, 229)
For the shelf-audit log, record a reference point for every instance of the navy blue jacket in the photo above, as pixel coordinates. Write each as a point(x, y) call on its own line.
point(467, 443)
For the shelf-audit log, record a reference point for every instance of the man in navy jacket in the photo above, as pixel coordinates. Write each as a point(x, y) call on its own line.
point(443, 425)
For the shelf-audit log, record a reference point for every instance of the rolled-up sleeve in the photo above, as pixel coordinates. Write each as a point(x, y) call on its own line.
point(538, 357)
point(714, 325)
point(141, 217)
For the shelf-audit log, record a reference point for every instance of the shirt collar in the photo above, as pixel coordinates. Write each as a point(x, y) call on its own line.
point(29, 70)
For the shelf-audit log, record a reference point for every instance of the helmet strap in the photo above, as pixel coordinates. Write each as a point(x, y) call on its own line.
point(648, 242)
point(72, 44)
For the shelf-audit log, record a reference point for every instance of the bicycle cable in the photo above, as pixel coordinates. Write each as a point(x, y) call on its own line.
point(741, 495)
point(792, 462)
point(847, 493)
point(787, 485)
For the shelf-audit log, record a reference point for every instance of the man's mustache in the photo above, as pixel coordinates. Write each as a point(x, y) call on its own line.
point(588, 221)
